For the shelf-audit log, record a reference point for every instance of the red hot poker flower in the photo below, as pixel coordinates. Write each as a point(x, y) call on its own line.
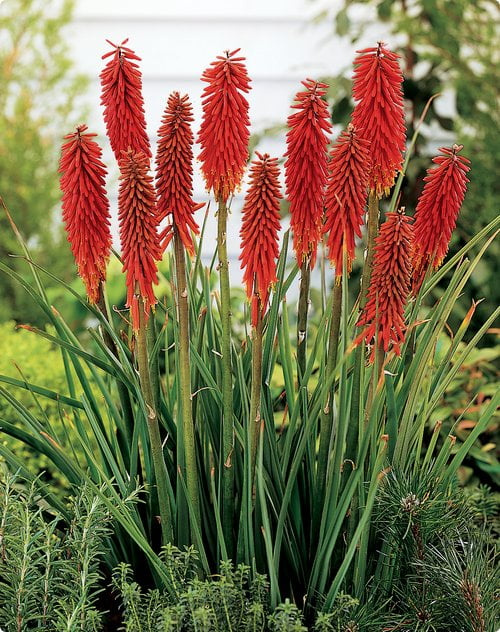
point(383, 315)
point(174, 171)
point(259, 231)
point(138, 234)
point(346, 195)
point(121, 97)
point(437, 210)
point(224, 131)
point(306, 168)
point(85, 207)
point(379, 113)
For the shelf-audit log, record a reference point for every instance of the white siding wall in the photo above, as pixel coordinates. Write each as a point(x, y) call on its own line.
point(177, 40)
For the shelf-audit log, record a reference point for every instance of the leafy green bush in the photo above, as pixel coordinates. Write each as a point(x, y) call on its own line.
point(49, 573)
point(42, 364)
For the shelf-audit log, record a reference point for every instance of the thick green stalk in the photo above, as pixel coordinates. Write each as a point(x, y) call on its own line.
point(153, 428)
point(227, 386)
point(256, 388)
point(123, 393)
point(327, 412)
point(246, 543)
point(356, 427)
point(185, 380)
point(305, 281)
point(373, 214)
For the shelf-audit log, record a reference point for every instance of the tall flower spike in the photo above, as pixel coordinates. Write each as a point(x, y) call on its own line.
point(121, 96)
point(383, 315)
point(259, 231)
point(138, 234)
point(224, 132)
point(306, 168)
point(346, 195)
point(85, 207)
point(379, 113)
point(174, 171)
point(437, 210)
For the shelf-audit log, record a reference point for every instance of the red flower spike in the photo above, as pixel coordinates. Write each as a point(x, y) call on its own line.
point(121, 96)
point(259, 231)
point(383, 315)
point(437, 210)
point(138, 234)
point(224, 131)
point(306, 168)
point(379, 113)
point(85, 207)
point(345, 197)
point(174, 172)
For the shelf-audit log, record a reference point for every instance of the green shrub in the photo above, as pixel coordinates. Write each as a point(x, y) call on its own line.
point(49, 569)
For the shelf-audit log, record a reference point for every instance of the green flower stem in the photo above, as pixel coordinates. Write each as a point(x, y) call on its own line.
point(305, 281)
point(153, 428)
point(354, 427)
point(227, 387)
point(255, 419)
point(123, 393)
point(327, 412)
point(373, 215)
point(185, 380)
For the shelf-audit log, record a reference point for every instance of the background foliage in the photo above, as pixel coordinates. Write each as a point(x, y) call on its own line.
point(38, 99)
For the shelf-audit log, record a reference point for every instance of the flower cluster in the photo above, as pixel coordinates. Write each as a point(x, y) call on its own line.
point(138, 234)
point(383, 315)
point(85, 207)
point(437, 210)
point(174, 171)
point(121, 97)
point(379, 113)
point(224, 131)
point(259, 231)
point(366, 156)
point(345, 197)
point(306, 168)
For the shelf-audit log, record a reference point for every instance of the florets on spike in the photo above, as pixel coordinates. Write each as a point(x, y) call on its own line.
point(138, 233)
point(306, 168)
point(259, 231)
point(121, 96)
point(174, 172)
point(345, 197)
point(437, 210)
point(224, 132)
point(379, 113)
point(383, 315)
point(85, 207)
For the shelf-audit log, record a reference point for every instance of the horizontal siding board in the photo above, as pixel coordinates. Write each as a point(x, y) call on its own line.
point(215, 9)
point(271, 50)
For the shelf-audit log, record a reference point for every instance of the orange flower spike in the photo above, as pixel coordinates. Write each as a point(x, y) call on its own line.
point(306, 168)
point(225, 127)
point(138, 232)
point(121, 96)
point(85, 207)
point(383, 315)
point(437, 210)
point(174, 172)
point(379, 113)
point(259, 231)
point(345, 198)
